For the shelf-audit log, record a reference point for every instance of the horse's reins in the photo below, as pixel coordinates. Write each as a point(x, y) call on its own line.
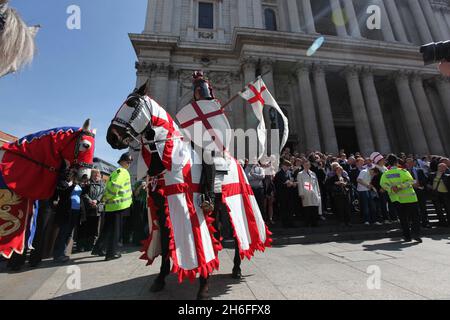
point(41, 164)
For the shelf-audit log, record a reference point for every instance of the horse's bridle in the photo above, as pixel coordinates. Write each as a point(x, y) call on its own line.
point(76, 153)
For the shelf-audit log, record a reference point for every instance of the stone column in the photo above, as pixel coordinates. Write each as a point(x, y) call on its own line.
point(159, 83)
point(308, 16)
point(420, 21)
point(443, 24)
point(443, 86)
point(439, 116)
point(267, 70)
point(374, 112)
point(221, 29)
point(249, 70)
point(426, 115)
point(173, 92)
point(362, 124)
point(337, 12)
point(191, 23)
point(432, 21)
point(397, 24)
point(167, 13)
point(386, 26)
point(330, 144)
point(257, 14)
point(411, 116)
point(242, 12)
point(151, 15)
point(294, 19)
point(309, 113)
point(352, 19)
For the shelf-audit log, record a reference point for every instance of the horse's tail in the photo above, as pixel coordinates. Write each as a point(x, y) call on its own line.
point(17, 45)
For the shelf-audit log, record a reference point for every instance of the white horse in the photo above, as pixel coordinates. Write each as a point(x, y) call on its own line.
point(17, 45)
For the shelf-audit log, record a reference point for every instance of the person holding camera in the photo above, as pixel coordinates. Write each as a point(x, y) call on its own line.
point(339, 187)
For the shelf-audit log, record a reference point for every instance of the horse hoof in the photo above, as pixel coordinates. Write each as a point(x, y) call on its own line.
point(203, 296)
point(158, 285)
point(236, 274)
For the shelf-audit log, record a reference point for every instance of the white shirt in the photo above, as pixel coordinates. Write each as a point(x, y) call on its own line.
point(365, 176)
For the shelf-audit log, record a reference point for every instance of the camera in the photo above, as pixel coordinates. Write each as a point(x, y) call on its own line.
point(435, 52)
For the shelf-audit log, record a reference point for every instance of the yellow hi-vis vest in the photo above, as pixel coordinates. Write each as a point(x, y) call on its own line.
point(118, 194)
point(401, 179)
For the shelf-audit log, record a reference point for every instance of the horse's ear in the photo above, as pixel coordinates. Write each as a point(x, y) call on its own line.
point(94, 132)
point(87, 125)
point(144, 89)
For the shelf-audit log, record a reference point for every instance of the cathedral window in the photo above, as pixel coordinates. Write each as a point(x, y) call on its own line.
point(206, 15)
point(270, 19)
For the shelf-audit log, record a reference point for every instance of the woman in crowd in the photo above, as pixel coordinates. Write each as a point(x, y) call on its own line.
point(91, 196)
point(339, 186)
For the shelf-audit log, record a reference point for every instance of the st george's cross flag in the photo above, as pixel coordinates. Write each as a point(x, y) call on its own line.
point(259, 97)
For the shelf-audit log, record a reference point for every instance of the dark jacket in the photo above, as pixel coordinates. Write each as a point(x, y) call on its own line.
point(281, 189)
point(336, 190)
point(94, 191)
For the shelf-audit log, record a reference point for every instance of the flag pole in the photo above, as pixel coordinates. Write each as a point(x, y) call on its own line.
point(237, 94)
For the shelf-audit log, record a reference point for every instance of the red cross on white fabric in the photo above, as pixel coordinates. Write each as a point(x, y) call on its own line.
point(188, 188)
point(204, 119)
point(258, 95)
point(308, 186)
point(245, 190)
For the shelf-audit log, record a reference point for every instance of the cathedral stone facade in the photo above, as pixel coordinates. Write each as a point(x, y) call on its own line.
point(366, 89)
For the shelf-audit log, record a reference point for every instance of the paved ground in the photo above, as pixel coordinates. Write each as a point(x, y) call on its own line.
point(336, 270)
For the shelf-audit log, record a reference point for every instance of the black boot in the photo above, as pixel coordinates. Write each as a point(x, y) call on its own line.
point(236, 273)
point(203, 291)
point(158, 285)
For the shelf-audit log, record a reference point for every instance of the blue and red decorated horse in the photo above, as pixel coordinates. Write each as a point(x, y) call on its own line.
point(29, 171)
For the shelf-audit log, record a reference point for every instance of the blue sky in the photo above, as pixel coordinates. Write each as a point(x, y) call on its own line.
point(76, 74)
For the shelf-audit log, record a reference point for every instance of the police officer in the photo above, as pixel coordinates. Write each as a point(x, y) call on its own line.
point(400, 186)
point(118, 199)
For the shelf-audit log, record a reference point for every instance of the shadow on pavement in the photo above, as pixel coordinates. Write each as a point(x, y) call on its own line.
point(138, 289)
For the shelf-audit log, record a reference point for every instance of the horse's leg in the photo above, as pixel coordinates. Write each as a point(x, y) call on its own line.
point(159, 283)
point(204, 288)
point(237, 262)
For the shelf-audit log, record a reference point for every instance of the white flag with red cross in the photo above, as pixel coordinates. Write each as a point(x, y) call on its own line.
point(248, 224)
point(258, 96)
point(205, 124)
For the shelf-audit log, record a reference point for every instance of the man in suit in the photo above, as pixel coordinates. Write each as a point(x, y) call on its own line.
point(420, 187)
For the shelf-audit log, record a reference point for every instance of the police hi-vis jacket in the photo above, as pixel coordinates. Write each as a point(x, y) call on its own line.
point(118, 195)
point(401, 179)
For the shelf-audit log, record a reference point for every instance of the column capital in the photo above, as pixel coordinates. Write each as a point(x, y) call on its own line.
point(402, 75)
point(319, 67)
point(442, 79)
point(248, 60)
point(352, 71)
point(248, 63)
point(417, 76)
point(302, 67)
point(367, 71)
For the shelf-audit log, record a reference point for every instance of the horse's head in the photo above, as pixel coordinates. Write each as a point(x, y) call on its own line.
point(79, 152)
point(131, 121)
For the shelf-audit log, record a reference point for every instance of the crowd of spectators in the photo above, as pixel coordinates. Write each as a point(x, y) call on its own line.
point(302, 189)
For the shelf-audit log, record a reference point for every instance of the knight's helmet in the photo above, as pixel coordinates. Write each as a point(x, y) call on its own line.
point(202, 86)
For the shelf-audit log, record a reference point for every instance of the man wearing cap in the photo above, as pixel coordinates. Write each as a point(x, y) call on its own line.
point(400, 186)
point(118, 199)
